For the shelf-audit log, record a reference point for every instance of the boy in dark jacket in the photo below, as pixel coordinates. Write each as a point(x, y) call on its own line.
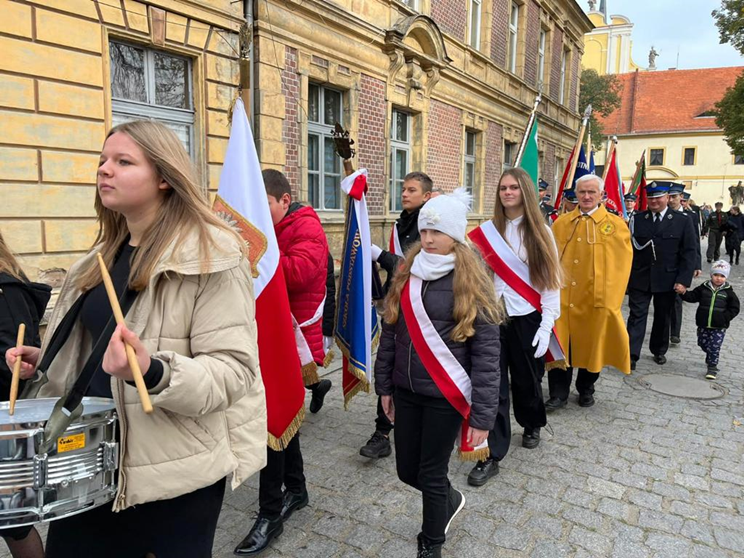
point(718, 306)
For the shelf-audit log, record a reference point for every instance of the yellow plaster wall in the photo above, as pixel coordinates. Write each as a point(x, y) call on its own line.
point(55, 108)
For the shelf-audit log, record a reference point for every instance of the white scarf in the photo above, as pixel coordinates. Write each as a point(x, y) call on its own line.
point(431, 267)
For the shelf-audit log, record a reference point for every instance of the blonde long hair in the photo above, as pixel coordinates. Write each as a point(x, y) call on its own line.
point(473, 290)
point(8, 262)
point(542, 257)
point(184, 208)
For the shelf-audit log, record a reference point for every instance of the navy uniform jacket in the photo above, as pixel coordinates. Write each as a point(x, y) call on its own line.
point(674, 248)
point(695, 218)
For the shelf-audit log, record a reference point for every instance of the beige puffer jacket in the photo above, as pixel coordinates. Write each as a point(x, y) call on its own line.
point(209, 417)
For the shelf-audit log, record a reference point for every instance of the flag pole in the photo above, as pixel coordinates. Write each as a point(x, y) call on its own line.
point(613, 143)
point(528, 130)
point(577, 148)
point(635, 174)
point(588, 145)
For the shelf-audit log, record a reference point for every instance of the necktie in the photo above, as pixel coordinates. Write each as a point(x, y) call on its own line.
point(657, 220)
point(719, 219)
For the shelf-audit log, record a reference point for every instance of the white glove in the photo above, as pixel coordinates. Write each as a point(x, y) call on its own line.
point(376, 251)
point(541, 341)
point(327, 344)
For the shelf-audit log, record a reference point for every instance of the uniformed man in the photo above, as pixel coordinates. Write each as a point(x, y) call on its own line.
point(595, 252)
point(663, 258)
point(676, 193)
point(630, 204)
point(547, 210)
point(569, 201)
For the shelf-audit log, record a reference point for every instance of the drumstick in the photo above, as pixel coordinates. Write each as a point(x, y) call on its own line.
point(131, 355)
point(16, 369)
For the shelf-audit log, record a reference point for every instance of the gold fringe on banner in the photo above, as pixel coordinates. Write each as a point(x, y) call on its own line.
point(555, 364)
point(280, 444)
point(310, 374)
point(361, 386)
point(475, 455)
point(328, 358)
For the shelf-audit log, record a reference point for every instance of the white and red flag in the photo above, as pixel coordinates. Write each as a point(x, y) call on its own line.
point(241, 201)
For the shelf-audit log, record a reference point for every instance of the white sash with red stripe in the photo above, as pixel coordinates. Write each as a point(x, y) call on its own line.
point(445, 370)
point(514, 272)
point(395, 247)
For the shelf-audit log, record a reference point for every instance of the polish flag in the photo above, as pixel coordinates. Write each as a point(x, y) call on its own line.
point(241, 201)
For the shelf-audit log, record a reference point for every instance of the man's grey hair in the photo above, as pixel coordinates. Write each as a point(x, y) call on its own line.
point(588, 177)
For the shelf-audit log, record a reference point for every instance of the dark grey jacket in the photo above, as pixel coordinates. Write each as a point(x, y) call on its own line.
point(398, 365)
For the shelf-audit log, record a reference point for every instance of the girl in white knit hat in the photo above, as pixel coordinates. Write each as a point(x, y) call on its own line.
point(437, 368)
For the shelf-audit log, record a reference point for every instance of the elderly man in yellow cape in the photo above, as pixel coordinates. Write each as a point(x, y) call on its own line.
point(596, 256)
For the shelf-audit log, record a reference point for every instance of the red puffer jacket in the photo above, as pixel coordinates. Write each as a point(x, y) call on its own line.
point(304, 258)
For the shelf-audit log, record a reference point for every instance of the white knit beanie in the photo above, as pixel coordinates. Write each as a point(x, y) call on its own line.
point(447, 214)
point(721, 267)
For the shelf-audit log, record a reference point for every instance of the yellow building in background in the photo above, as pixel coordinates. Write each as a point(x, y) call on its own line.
point(69, 70)
point(608, 48)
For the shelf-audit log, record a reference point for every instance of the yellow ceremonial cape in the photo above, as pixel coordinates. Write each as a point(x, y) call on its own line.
point(596, 255)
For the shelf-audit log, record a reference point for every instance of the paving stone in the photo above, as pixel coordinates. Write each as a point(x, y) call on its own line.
point(689, 511)
point(660, 521)
point(597, 544)
point(510, 537)
point(605, 488)
point(628, 549)
point(691, 481)
point(582, 516)
point(646, 499)
point(668, 546)
point(698, 532)
point(731, 540)
point(614, 508)
point(550, 549)
point(546, 526)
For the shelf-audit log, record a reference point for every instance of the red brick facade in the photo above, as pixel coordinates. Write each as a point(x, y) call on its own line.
point(547, 168)
point(555, 65)
point(494, 145)
point(372, 141)
point(444, 157)
point(573, 98)
point(291, 127)
point(532, 43)
point(451, 17)
point(500, 31)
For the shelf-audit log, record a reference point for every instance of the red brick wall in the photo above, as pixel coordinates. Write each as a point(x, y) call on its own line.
point(500, 31)
point(443, 160)
point(555, 65)
point(547, 171)
point(494, 145)
point(451, 16)
point(291, 128)
point(532, 42)
point(371, 142)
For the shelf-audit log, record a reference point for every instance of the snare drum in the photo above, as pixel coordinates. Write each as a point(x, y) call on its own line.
point(78, 474)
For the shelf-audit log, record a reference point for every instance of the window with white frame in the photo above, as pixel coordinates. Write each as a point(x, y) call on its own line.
point(324, 109)
point(468, 172)
point(152, 85)
point(400, 156)
point(562, 90)
point(413, 4)
point(541, 57)
point(513, 32)
point(475, 23)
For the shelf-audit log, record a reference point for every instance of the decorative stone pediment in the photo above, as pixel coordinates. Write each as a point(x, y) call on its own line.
point(417, 53)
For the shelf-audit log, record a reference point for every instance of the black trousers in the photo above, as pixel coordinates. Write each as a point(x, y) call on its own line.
point(638, 302)
point(382, 423)
point(426, 429)
point(181, 527)
point(714, 245)
point(676, 317)
point(559, 382)
point(499, 438)
point(283, 468)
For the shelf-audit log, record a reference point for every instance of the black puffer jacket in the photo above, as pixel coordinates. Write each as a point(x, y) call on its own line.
point(717, 306)
point(398, 365)
point(20, 302)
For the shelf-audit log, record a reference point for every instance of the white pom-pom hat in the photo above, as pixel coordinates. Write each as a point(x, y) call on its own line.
point(447, 213)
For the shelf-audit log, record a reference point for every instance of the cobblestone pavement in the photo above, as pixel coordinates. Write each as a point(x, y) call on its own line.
point(638, 475)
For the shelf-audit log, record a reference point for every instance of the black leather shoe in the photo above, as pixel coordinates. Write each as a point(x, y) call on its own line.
point(319, 393)
point(292, 501)
point(632, 364)
point(377, 446)
point(555, 403)
point(426, 550)
point(674, 340)
point(264, 531)
point(586, 400)
point(483, 471)
point(659, 359)
point(531, 438)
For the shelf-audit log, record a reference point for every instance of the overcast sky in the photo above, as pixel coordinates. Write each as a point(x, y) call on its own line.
point(670, 25)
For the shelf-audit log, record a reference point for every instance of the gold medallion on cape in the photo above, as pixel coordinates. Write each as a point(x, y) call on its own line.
point(607, 228)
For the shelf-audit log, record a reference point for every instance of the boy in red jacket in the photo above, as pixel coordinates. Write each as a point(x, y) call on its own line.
point(304, 258)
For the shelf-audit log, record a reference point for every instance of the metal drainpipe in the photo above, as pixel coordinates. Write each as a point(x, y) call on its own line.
point(249, 96)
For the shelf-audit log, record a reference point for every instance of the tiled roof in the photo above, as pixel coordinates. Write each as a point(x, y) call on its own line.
point(669, 100)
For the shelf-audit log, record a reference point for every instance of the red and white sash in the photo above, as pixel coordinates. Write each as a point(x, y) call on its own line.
point(309, 367)
point(395, 247)
point(514, 272)
point(448, 374)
